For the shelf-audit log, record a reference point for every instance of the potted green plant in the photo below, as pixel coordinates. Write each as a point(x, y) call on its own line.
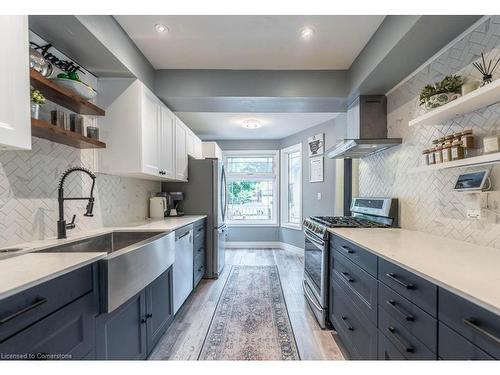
point(37, 99)
point(442, 92)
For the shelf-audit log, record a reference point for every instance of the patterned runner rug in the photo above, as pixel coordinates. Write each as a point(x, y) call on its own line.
point(251, 319)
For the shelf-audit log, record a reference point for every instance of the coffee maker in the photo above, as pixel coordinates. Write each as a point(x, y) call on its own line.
point(174, 201)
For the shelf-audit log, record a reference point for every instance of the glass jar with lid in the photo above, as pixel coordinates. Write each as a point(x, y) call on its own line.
point(425, 157)
point(467, 139)
point(431, 156)
point(438, 155)
point(446, 153)
point(457, 150)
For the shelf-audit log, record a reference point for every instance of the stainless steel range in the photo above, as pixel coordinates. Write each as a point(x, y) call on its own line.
point(366, 213)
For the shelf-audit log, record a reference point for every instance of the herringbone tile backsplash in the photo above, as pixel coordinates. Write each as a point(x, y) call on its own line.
point(28, 193)
point(427, 200)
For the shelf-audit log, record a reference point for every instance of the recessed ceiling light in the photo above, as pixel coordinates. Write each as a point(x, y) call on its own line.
point(251, 124)
point(161, 28)
point(306, 33)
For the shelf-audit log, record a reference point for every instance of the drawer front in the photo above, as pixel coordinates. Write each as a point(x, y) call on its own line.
point(476, 324)
point(199, 249)
point(358, 284)
point(356, 254)
point(415, 320)
point(23, 309)
point(387, 351)
point(199, 224)
point(419, 291)
point(357, 333)
point(68, 333)
point(453, 346)
point(199, 236)
point(198, 273)
point(409, 346)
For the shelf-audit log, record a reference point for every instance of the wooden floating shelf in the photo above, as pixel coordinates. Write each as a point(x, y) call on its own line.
point(474, 161)
point(43, 129)
point(482, 97)
point(62, 96)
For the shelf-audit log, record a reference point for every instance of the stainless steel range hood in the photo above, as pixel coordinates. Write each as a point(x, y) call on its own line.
point(366, 129)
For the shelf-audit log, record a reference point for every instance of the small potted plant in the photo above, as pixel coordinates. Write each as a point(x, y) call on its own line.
point(433, 96)
point(37, 99)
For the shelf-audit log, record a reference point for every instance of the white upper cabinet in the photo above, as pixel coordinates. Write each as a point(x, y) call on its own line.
point(181, 161)
point(167, 144)
point(211, 150)
point(15, 122)
point(151, 141)
point(198, 148)
point(144, 138)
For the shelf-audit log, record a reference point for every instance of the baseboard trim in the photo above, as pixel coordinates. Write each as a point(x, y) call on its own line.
point(264, 245)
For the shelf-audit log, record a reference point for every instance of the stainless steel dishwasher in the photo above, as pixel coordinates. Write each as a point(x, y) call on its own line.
point(183, 265)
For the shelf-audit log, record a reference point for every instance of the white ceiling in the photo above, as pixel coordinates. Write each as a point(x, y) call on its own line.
point(250, 42)
point(219, 126)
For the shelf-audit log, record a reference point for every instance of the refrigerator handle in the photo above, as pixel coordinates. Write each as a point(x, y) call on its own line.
point(223, 193)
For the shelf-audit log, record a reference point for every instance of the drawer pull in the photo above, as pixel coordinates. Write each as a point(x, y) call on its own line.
point(394, 278)
point(472, 323)
point(34, 305)
point(200, 269)
point(409, 317)
point(347, 324)
point(407, 347)
point(346, 276)
point(348, 250)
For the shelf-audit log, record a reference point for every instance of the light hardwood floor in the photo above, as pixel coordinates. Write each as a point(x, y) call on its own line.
point(184, 338)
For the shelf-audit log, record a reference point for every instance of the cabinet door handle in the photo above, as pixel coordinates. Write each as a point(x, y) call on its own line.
point(347, 249)
point(38, 302)
point(472, 323)
point(182, 236)
point(346, 276)
point(347, 324)
point(394, 278)
point(409, 317)
point(407, 346)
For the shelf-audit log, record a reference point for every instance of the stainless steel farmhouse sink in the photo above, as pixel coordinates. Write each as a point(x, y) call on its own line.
point(135, 259)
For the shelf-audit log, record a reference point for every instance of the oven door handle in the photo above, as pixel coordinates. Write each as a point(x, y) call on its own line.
point(310, 237)
point(309, 297)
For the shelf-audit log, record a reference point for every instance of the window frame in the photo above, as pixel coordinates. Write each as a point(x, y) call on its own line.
point(274, 176)
point(284, 153)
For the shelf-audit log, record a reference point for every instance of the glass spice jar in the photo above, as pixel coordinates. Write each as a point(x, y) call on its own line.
point(438, 155)
point(432, 158)
point(446, 153)
point(467, 139)
point(449, 139)
point(457, 150)
point(425, 157)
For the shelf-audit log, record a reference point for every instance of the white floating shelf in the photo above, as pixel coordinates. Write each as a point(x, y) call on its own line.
point(462, 163)
point(482, 97)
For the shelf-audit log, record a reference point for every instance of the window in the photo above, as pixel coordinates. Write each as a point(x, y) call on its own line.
point(252, 187)
point(291, 187)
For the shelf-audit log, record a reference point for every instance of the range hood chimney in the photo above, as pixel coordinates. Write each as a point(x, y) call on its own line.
point(366, 129)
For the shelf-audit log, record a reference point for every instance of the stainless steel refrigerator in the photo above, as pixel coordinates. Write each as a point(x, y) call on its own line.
point(206, 193)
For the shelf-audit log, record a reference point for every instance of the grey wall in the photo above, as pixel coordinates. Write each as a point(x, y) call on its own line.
point(334, 129)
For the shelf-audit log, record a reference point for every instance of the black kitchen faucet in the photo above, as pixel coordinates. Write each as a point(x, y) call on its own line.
point(61, 223)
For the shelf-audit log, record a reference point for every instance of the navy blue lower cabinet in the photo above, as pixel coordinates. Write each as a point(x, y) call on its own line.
point(69, 333)
point(121, 334)
point(133, 329)
point(453, 346)
point(357, 334)
point(387, 351)
point(159, 308)
point(479, 326)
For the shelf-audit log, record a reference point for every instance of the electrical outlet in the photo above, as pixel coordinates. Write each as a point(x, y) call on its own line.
point(318, 196)
point(473, 213)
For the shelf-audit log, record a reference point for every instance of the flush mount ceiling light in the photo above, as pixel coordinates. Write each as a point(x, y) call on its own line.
point(306, 33)
point(161, 28)
point(251, 124)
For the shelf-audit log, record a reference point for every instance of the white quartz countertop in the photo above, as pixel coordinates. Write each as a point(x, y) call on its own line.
point(468, 270)
point(28, 268)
